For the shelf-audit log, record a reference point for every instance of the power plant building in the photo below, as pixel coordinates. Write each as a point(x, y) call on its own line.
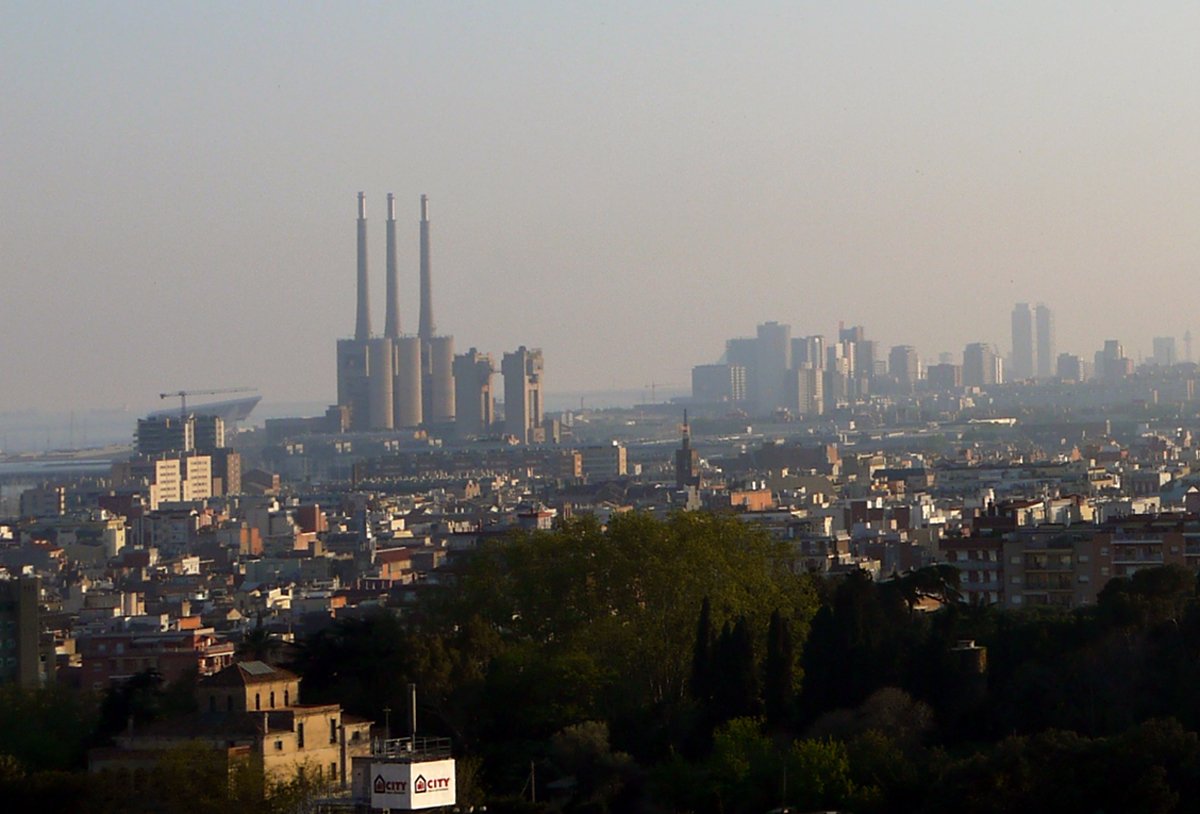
point(473, 400)
point(394, 381)
point(522, 370)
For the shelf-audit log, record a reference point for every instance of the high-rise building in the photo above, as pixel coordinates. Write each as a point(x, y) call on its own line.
point(1071, 368)
point(865, 357)
point(742, 352)
point(944, 376)
point(981, 365)
point(719, 383)
point(806, 391)
point(604, 462)
point(1164, 351)
point(159, 434)
point(522, 371)
point(1111, 361)
point(810, 351)
point(772, 361)
point(473, 401)
point(208, 432)
point(1046, 344)
point(1023, 358)
point(20, 633)
point(855, 333)
point(904, 365)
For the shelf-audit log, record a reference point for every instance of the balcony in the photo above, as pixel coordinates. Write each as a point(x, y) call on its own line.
point(1138, 557)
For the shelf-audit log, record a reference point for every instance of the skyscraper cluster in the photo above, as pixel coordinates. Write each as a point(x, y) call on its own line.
point(804, 375)
point(402, 381)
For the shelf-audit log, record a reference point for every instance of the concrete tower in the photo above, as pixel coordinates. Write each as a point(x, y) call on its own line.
point(406, 365)
point(362, 323)
point(441, 380)
point(426, 329)
point(353, 363)
point(1022, 342)
point(522, 371)
point(380, 387)
point(473, 403)
point(981, 366)
point(391, 323)
point(772, 360)
point(1046, 350)
point(437, 352)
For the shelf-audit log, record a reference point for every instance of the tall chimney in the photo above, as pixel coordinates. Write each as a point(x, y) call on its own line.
point(426, 329)
point(362, 323)
point(391, 324)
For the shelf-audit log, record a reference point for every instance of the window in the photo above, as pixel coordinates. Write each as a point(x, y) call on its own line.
point(272, 699)
point(1016, 600)
point(300, 736)
point(257, 702)
point(1015, 559)
point(278, 746)
point(333, 730)
point(333, 771)
point(287, 701)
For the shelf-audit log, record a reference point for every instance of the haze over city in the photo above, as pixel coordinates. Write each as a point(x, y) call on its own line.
point(623, 186)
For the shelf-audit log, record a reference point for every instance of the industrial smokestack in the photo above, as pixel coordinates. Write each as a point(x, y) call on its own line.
point(362, 324)
point(391, 323)
point(426, 328)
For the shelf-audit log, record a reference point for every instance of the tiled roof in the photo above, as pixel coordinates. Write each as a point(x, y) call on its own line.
point(244, 673)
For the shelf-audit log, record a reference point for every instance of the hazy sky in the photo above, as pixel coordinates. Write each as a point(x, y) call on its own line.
point(622, 184)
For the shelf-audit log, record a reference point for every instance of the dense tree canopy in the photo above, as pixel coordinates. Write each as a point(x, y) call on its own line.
point(626, 598)
point(682, 665)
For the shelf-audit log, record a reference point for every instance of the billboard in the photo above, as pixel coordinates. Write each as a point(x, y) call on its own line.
point(412, 786)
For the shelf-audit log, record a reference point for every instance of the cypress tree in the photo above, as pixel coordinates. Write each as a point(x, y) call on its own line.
point(777, 672)
point(702, 654)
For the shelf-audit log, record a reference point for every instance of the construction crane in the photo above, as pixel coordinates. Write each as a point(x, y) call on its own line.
point(183, 394)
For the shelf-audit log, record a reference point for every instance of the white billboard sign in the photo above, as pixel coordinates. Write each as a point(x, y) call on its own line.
point(412, 786)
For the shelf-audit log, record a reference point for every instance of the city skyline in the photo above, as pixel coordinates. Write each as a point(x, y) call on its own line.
point(177, 183)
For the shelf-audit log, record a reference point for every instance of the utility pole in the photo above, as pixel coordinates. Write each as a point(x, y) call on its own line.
point(412, 713)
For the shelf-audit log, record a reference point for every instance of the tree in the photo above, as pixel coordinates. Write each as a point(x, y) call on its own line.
point(701, 680)
point(626, 597)
point(778, 687)
point(259, 644)
point(735, 679)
